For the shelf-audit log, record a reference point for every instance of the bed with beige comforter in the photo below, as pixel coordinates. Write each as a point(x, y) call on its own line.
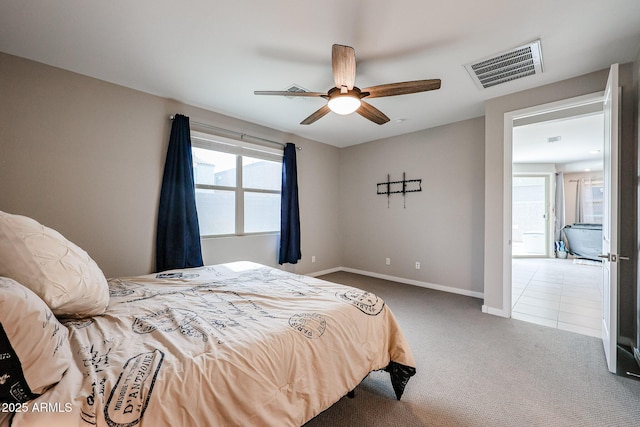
point(236, 344)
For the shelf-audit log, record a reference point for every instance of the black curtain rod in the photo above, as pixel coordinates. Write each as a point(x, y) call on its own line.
point(592, 179)
point(242, 135)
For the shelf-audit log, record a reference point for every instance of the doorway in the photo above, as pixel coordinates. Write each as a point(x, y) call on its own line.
point(547, 288)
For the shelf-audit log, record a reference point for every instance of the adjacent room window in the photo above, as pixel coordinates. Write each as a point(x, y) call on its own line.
point(589, 200)
point(237, 186)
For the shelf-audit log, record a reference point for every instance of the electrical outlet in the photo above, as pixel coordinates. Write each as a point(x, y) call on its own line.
point(313, 258)
point(388, 261)
point(417, 265)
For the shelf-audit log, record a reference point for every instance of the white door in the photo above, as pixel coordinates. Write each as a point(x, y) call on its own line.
point(610, 221)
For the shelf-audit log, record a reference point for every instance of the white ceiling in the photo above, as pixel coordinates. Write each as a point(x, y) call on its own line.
point(573, 144)
point(214, 54)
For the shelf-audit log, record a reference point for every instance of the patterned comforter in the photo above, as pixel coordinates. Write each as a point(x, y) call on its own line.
point(236, 344)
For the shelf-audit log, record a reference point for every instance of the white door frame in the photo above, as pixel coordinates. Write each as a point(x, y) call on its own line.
point(509, 117)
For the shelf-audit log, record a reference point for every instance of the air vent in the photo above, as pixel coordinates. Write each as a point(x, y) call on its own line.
point(295, 88)
point(504, 67)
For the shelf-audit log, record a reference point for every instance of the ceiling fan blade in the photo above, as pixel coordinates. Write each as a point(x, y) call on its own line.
point(288, 93)
point(370, 112)
point(343, 61)
point(402, 88)
point(321, 112)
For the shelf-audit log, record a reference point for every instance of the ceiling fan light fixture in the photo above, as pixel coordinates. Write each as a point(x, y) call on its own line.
point(345, 98)
point(344, 103)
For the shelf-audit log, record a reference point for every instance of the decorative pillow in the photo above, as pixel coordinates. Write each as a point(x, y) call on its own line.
point(58, 271)
point(34, 346)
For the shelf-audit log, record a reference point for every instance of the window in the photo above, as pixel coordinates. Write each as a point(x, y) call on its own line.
point(237, 186)
point(590, 200)
point(597, 195)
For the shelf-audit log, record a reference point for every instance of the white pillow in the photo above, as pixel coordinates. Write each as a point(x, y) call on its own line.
point(58, 271)
point(34, 346)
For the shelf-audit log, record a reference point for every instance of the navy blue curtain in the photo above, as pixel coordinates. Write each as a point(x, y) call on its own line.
point(178, 233)
point(289, 209)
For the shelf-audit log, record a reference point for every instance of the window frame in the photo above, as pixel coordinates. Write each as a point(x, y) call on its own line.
point(240, 149)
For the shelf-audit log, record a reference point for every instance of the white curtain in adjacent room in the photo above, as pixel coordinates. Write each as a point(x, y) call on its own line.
point(584, 201)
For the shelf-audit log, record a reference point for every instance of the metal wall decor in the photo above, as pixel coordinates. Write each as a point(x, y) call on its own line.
point(399, 187)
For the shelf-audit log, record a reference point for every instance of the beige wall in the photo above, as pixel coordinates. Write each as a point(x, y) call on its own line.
point(85, 157)
point(441, 227)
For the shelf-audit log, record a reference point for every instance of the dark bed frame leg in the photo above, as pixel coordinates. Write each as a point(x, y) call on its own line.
point(351, 394)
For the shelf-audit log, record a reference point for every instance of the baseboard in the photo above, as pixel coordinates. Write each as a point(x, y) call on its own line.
point(323, 272)
point(485, 309)
point(421, 284)
point(494, 311)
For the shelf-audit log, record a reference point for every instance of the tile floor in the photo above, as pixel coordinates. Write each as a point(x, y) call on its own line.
point(560, 293)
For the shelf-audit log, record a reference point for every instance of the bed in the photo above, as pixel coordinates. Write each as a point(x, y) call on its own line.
point(234, 344)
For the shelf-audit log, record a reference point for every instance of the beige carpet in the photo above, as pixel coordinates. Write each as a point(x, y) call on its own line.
point(474, 369)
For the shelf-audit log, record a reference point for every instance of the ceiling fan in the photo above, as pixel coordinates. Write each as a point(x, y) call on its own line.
point(346, 98)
